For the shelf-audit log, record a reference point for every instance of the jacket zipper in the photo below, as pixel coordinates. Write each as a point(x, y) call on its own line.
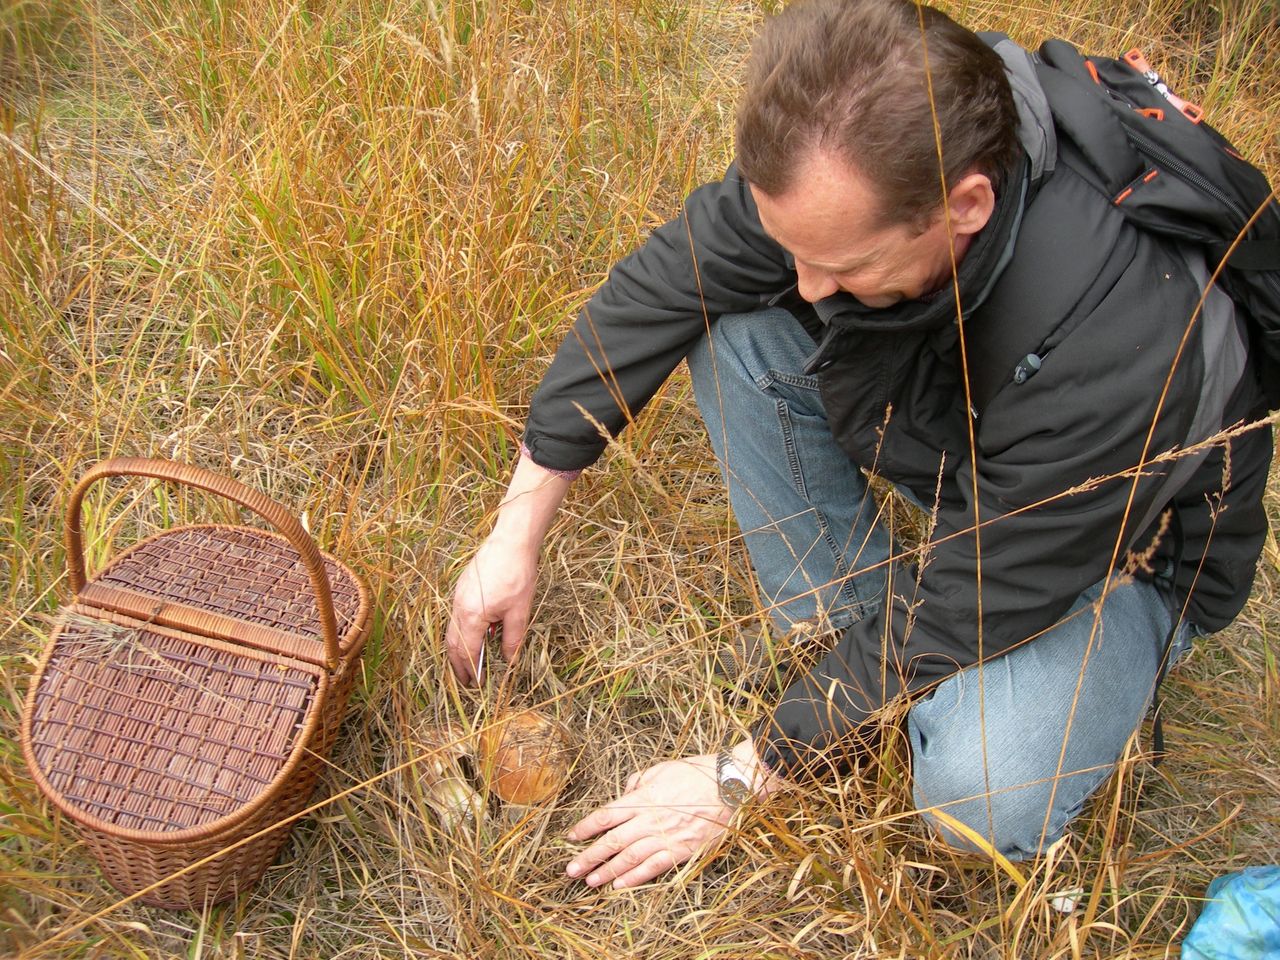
point(815, 363)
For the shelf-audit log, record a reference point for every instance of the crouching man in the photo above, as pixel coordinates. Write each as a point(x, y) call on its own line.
point(987, 332)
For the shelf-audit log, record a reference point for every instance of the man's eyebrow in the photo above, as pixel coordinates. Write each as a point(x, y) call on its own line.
point(845, 266)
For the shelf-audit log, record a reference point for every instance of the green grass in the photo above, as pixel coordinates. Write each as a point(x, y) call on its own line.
point(328, 247)
point(40, 40)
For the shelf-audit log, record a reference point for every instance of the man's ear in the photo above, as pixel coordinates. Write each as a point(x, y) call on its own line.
point(972, 201)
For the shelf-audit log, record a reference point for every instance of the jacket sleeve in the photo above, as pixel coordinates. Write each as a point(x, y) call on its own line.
point(711, 259)
point(1051, 510)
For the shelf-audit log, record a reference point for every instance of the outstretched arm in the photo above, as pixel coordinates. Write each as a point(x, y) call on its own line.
point(497, 585)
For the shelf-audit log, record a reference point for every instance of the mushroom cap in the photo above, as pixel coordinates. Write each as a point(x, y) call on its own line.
point(525, 757)
point(455, 802)
point(447, 743)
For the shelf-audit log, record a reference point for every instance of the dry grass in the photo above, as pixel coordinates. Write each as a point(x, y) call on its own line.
point(329, 247)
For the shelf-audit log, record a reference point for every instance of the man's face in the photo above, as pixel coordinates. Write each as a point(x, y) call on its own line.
point(828, 221)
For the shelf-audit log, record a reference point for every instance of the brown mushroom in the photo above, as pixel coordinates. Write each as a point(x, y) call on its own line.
point(525, 757)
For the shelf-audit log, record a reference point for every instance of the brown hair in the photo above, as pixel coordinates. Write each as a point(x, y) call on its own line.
point(849, 76)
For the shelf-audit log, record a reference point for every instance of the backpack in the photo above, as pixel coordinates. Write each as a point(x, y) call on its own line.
point(1171, 173)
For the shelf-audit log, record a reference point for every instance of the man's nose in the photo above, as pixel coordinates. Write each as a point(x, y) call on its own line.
point(814, 284)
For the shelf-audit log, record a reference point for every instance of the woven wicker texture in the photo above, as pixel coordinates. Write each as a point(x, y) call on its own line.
point(186, 702)
point(132, 865)
point(149, 731)
point(239, 572)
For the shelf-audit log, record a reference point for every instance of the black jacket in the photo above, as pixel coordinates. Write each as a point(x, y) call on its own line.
point(1058, 273)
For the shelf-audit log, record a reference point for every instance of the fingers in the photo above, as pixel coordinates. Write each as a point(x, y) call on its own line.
point(622, 857)
point(657, 863)
point(462, 647)
point(607, 847)
point(513, 631)
point(604, 818)
point(465, 638)
point(669, 813)
point(495, 587)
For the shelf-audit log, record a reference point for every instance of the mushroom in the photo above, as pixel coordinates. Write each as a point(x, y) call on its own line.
point(448, 793)
point(525, 757)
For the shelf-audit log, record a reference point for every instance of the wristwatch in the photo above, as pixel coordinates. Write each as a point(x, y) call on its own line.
point(733, 781)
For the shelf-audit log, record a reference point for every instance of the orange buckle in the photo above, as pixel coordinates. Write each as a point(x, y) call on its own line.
point(1189, 110)
point(1137, 61)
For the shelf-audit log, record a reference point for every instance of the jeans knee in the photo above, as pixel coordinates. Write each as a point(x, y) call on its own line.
point(978, 809)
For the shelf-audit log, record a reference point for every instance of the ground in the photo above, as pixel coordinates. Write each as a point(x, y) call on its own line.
point(328, 248)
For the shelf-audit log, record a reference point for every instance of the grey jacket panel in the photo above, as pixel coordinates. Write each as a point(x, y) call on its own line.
point(1035, 121)
point(712, 259)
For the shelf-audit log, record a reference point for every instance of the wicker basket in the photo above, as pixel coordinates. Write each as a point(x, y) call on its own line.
point(191, 692)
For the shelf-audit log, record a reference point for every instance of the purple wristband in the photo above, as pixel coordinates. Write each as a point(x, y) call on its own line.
point(563, 474)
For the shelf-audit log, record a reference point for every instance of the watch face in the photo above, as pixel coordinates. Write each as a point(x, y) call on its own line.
point(734, 791)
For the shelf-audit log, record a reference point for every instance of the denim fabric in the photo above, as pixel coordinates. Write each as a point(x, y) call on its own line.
point(803, 507)
point(1016, 786)
point(987, 743)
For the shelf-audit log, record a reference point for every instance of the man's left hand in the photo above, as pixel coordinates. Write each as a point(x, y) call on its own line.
point(666, 815)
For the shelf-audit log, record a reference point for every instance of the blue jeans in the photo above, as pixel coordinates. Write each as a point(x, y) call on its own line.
point(996, 763)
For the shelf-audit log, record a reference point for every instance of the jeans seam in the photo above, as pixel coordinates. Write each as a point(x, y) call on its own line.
point(794, 379)
point(789, 444)
point(848, 590)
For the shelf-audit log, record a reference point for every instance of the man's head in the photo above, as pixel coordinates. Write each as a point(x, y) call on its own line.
point(836, 136)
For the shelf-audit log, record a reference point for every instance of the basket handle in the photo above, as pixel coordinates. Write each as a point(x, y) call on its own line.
point(188, 475)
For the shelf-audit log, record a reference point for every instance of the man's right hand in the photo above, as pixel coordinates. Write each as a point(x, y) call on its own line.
point(496, 587)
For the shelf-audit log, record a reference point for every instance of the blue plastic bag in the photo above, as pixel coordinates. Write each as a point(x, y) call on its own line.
point(1241, 921)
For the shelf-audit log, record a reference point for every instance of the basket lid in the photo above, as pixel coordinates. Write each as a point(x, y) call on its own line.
point(236, 583)
point(146, 733)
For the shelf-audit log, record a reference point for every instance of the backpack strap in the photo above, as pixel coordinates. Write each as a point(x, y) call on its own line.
point(1175, 624)
point(1081, 111)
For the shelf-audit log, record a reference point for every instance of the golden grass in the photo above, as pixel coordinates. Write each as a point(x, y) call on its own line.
point(329, 247)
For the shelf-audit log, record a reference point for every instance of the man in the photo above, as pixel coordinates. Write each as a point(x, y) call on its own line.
point(1001, 357)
